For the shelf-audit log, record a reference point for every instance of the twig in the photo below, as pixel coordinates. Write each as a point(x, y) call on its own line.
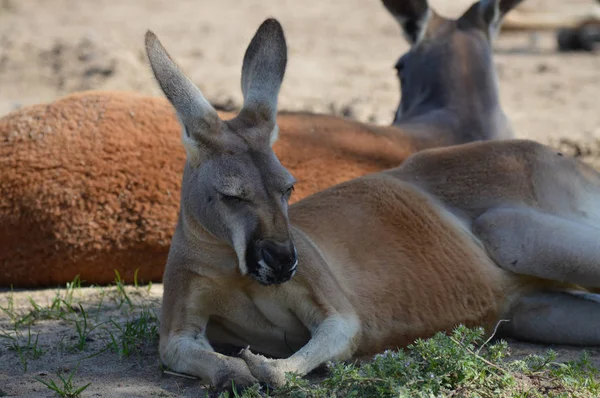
point(498, 368)
point(179, 375)
point(493, 334)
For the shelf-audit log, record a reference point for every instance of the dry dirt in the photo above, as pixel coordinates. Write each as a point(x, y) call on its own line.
point(340, 60)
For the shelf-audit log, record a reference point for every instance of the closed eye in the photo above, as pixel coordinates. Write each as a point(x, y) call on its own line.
point(232, 198)
point(288, 192)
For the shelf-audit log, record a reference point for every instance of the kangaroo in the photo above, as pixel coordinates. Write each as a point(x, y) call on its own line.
point(466, 234)
point(124, 220)
point(447, 79)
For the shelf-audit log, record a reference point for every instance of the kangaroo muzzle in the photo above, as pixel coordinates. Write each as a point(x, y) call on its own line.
point(274, 262)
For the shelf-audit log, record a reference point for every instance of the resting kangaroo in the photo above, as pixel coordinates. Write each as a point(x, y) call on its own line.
point(56, 223)
point(466, 234)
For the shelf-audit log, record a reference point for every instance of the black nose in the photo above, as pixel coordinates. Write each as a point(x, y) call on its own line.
point(280, 257)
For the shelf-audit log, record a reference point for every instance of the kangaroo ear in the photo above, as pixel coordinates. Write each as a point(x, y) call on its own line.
point(412, 15)
point(263, 70)
point(196, 114)
point(489, 14)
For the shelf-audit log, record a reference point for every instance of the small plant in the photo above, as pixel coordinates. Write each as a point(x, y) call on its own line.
point(98, 309)
point(122, 296)
point(253, 392)
point(53, 310)
point(71, 288)
point(578, 375)
point(537, 363)
point(135, 333)
point(149, 287)
point(138, 291)
point(9, 309)
point(58, 308)
point(26, 351)
point(135, 278)
point(83, 329)
point(65, 387)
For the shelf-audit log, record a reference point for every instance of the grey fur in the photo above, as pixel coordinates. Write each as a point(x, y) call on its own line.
point(461, 98)
point(186, 98)
point(264, 67)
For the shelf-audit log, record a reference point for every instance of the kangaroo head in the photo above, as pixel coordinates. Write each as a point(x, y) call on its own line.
point(450, 61)
point(234, 187)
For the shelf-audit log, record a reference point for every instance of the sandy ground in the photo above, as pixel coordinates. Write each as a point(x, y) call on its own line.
point(341, 56)
point(128, 369)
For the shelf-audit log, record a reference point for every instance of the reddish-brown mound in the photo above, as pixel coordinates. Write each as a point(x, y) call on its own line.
point(90, 183)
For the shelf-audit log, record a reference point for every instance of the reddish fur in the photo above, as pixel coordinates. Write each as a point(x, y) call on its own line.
point(91, 183)
point(386, 258)
point(391, 290)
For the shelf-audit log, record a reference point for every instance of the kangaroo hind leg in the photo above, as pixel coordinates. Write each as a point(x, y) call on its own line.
point(556, 317)
point(529, 242)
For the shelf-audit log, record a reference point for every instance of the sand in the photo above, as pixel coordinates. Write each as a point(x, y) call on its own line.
point(340, 61)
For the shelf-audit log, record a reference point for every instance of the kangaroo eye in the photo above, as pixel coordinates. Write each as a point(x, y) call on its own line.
point(288, 192)
point(231, 198)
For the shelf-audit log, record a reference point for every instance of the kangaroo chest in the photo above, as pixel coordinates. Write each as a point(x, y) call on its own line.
point(260, 321)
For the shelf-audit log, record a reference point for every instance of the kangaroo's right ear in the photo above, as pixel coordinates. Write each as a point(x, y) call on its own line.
point(412, 15)
point(198, 118)
point(262, 72)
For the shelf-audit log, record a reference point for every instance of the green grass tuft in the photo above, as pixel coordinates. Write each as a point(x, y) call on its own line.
point(135, 334)
point(58, 308)
point(122, 296)
point(26, 347)
point(457, 365)
point(64, 388)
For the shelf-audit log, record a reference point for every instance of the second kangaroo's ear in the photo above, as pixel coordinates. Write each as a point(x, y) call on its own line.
point(263, 70)
point(412, 15)
point(488, 14)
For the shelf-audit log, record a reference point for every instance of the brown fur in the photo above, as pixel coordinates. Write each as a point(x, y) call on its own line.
point(385, 259)
point(91, 183)
point(466, 234)
point(386, 286)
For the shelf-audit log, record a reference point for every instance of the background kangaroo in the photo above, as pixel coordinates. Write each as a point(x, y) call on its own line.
point(369, 264)
point(57, 222)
